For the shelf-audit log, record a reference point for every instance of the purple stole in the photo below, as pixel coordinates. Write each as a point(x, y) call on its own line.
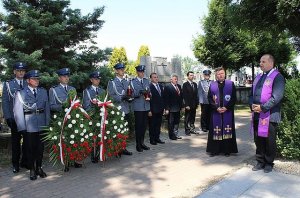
point(222, 128)
point(266, 93)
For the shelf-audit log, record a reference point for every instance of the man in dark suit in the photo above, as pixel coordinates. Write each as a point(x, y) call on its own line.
point(190, 100)
point(156, 110)
point(265, 102)
point(173, 104)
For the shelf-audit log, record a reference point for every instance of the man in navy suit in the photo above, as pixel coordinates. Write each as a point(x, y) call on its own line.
point(173, 104)
point(10, 87)
point(265, 102)
point(156, 110)
point(190, 100)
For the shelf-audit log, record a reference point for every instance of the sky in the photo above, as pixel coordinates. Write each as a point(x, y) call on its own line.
point(167, 27)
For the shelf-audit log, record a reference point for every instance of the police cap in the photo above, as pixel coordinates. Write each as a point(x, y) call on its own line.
point(95, 74)
point(119, 66)
point(140, 68)
point(20, 66)
point(63, 72)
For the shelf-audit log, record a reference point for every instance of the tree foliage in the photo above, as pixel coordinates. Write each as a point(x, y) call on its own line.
point(118, 56)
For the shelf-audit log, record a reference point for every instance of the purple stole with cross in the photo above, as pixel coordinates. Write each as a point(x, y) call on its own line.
point(266, 93)
point(222, 128)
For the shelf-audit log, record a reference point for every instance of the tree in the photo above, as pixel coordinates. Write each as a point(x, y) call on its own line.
point(118, 56)
point(46, 34)
point(143, 51)
point(187, 64)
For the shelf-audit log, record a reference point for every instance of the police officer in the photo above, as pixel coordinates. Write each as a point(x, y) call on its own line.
point(203, 88)
point(9, 89)
point(59, 94)
point(141, 106)
point(116, 89)
point(89, 94)
point(32, 114)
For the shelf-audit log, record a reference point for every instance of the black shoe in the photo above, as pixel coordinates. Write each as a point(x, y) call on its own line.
point(159, 141)
point(268, 168)
point(153, 142)
point(94, 159)
point(178, 137)
point(126, 152)
point(227, 154)
point(32, 174)
point(258, 166)
point(205, 130)
point(173, 138)
point(139, 149)
point(40, 172)
point(188, 134)
point(213, 154)
point(16, 169)
point(77, 165)
point(193, 132)
point(66, 169)
point(144, 147)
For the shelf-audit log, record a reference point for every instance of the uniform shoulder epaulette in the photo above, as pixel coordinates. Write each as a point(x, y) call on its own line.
point(54, 86)
point(42, 88)
point(112, 79)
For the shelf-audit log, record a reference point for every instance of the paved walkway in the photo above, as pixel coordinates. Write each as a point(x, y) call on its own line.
point(175, 169)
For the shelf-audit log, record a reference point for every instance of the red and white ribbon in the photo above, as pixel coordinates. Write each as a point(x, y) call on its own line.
point(103, 106)
point(75, 103)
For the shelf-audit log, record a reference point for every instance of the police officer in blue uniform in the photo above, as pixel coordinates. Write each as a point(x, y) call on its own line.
point(203, 88)
point(59, 94)
point(116, 89)
point(89, 94)
point(92, 91)
point(141, 106)
point(9, 89)
point(32, 114)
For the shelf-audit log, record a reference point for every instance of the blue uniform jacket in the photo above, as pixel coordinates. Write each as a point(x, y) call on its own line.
point(8, 95)
point(203, 87)
point(116, 90)
point(57, 96)
point(89, 94)
point(139, 102)
point(31, 113)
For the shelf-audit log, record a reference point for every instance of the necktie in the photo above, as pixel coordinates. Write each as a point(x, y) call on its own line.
point(177, 89)
point(97, 91)
point(158, 89)
point(66, 89)
point(34, 92)
point(192, 85)
point(21, 86)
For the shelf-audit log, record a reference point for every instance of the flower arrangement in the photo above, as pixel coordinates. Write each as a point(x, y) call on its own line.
point(69, 136)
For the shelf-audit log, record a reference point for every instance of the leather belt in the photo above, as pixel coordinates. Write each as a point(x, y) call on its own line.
point(34, 112)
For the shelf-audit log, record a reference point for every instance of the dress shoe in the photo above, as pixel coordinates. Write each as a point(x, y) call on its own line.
point(16, 169)
point(77, 165)
point(188, 134)
point(193, 132)
point(144, 147)
point(258, 166)
point(159, 141)
point(153, 142)
point(32, 174)
point(178, 137)
point(40, 172)
point(126, 152)
point(227, 154)
point(268, 168)
point(94, 159)
point(173, 138)
point(66, 169)
point(213, 154)
point(205, 130)
point(139, 149)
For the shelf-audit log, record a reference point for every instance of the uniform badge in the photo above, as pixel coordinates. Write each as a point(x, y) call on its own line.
point(268, 82)
point(227, 97)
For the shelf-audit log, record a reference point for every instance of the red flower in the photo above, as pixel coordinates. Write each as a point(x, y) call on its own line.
point(94, 137)
point(75, 145)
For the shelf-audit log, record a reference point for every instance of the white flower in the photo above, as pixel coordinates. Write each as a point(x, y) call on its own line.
point(69, 116)
point(114, 122)
point(70, 125)
point(126, 123)
point(99, 135)
point(115, 127)
point(91, 134)
point(107, 132)
point(84, 130)
point(76, 131)
point(71, 142)
point(72, 136)
point(102, 109)
point(112, 112)
point(122, 118)
point(106, 122)
point(58, 144)
point(54, 116)
point(105, 137)
point(119, 130)
point(77, 115)
point(122, 131)
point(119, 108)
point(81, 134)
point(90, 123)
point(59, 123)
point(73, 121)
point(66, 109)
point(63, 137)
point(51, 129)
point(81, 140)
point(121, 126)
point(123, 114)
point(81, 125)
point(118, 113)
point(114, 136)
point(98, 124)
point(55, 137)
point(86, 136)
point(101, 114)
